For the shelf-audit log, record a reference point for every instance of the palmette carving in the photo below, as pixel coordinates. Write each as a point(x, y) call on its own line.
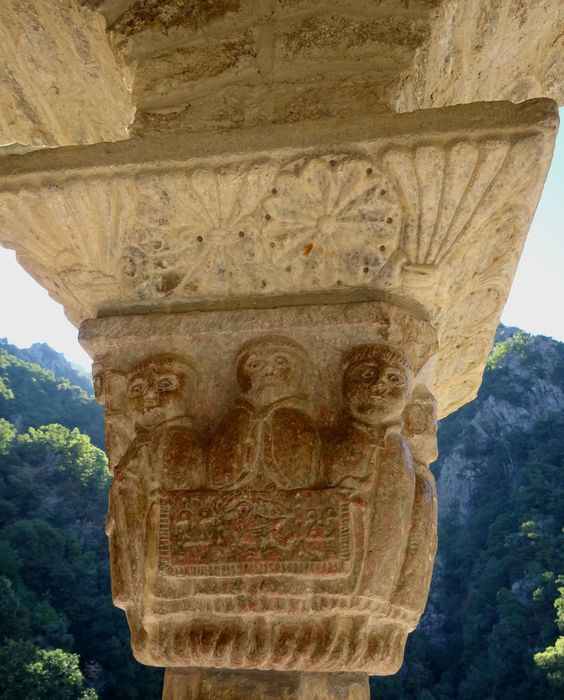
point(220, 548)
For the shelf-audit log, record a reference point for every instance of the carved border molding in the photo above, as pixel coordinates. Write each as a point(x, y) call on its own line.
point(431, 207)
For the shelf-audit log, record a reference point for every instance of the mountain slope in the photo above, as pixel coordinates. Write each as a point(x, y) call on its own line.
point(60, 636)
point(31, 395)
point(501, 543)
point(44, 355)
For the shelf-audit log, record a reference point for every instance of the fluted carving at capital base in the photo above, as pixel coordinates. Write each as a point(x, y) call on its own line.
point(279, 536)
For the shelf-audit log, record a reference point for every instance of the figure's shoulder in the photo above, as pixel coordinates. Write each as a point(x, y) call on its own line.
point(292, 416)
point(396, 447)
point(235, 421)
point(394, 438)
point(179, 436)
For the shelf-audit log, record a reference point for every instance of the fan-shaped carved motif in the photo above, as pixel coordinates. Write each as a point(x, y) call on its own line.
point(452, 193)
point(72, 235)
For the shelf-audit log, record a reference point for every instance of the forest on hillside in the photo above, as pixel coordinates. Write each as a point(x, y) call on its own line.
point(494, 625)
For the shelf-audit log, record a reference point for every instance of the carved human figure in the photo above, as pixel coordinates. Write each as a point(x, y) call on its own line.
point(268, 440)
point(420, 430)
point(366, 452)
point(165, 454)
point(376, 384)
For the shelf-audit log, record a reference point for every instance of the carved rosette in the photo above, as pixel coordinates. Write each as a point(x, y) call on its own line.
point(272, 505)
point(332, 219)
point(431, 208)
point(197, 232)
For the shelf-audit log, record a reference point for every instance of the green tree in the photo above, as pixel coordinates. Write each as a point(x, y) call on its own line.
point(39, 674)
point(551, 660)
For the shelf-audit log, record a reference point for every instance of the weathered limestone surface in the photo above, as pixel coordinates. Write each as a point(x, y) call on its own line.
point(272, 505)
point(181, 684)
point(487, 50)
point(225, 64)
point(282, 285)
point(60, 82)
point(430, 208)
point(222, 65)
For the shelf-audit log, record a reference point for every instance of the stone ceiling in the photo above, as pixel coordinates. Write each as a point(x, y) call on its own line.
point(105, 70)
point(222, 64)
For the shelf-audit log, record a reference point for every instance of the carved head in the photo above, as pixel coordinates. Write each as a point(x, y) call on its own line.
point(271, 368)
point(420, 425)
point(159, 389)
point(377, 383)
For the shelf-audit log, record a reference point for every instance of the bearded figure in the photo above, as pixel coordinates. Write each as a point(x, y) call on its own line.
point(268, 440)
point(367, 453)
point(166, 454)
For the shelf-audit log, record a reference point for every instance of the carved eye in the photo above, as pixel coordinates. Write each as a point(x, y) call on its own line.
point(164, 385)
point(394, 378)
point(281, 361)
point(367, 373)
point(137, 389)
point(253, 362)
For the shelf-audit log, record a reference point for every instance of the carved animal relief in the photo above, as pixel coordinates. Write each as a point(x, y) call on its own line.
point(275, 513)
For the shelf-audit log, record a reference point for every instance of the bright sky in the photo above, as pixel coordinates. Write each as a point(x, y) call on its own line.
point(536, 302)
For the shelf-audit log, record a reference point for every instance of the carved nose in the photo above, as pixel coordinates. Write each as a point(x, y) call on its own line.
point(151, 397)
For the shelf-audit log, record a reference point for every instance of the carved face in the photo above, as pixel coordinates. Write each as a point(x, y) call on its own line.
point(420, 426)
point(375, 391)
point(158, 390)
point(270, 373)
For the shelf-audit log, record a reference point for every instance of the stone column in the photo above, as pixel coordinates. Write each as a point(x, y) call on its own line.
point(198, 684)
point(276, 321)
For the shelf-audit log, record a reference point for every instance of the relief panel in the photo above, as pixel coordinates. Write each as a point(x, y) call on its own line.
point(241, 528)
point(220, 533)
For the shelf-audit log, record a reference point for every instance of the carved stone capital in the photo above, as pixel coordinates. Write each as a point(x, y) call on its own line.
point(272, 505)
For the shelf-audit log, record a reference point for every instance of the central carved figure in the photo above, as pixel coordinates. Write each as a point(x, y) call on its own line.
point(268, 440)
